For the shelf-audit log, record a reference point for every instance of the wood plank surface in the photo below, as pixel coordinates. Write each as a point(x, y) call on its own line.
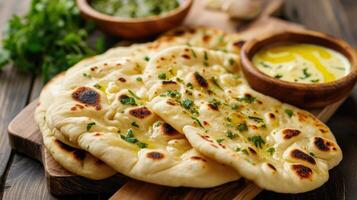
point(323, 15)
point(14, 91)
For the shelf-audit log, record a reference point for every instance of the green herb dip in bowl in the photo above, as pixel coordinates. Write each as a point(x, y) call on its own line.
point(135, 19)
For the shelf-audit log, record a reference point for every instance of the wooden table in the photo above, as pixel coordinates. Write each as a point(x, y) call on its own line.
point(23, 178)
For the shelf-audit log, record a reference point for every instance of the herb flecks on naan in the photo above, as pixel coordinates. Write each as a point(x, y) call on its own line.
point(70, 156)
point(200, 93)
point(103, 110)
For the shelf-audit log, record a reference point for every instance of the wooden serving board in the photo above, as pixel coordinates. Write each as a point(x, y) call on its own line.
point(26, 138)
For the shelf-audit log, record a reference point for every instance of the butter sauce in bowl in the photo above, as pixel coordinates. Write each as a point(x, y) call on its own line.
point(302, 63)
point(304, 68)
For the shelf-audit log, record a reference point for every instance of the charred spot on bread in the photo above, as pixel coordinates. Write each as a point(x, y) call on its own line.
point(213, 106)
point(121, 79)
point(141, 112)
point(271, 166)
point(198, 158)
point(252, 150)
point(77, 153)
point(320, 144)
point(167, 129)
point(302, 171)
point(200, 80)
point(289, 133)
point(206, 38)
point(87, 96)
point(155, 155)
point(271, 116)
point(168, 82)
point(298, 154)
point(185, 56)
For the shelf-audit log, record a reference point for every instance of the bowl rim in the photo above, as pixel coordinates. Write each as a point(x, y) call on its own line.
point(247, 64)
point(86, 8)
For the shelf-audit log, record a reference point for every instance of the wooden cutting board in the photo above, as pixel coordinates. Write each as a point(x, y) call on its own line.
point(26, 138)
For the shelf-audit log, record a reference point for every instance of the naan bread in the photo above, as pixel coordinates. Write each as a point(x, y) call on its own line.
point(278, 146)
point(74, 160)
point(103, 110)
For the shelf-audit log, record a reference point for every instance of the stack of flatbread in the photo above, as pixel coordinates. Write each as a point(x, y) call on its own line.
point(178, 112)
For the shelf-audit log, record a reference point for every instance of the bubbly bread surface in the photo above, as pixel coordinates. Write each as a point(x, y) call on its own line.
point(265, 140)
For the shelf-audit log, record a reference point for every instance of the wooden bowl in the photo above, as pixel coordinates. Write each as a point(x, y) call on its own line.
point(300, 94)
point(135, 28)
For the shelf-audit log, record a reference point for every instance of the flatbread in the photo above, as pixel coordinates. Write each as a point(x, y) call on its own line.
point(278, 146)
point(72, 159)
point(103, 110)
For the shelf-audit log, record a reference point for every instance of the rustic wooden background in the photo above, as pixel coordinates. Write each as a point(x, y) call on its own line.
point(23, 178)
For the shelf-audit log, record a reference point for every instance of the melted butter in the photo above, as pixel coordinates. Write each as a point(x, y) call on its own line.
point(303, 63)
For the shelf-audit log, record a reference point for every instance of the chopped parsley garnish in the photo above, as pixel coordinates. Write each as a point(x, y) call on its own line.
point(278, 76)
point(219, 141)
point(289, 112)
point(129, 137)
point(141, 145)
point(256, 119)
point(215, 102)
point(258, 141)
point(125, 100)
point(315, 80)
point(173, 94)
point(157, 124)
point(187, 103)
point(242, 127)
point(179, 80)
point(87, 75)
point(230, 134)
point(146, 58)
point(271, 150)
point(247, 99)
point(97, 86)
point(193, 53)
point(237, 149)
point(265, 65)
point(135, 124)
point(189, 85)
point(312, 154)
point(306, 74)
point(90, 125)
point(162, 76)
point(215, 82)
point(139, 79)
point(206, 56)
point(197, 121)
point(133, 94)
point(245, 151)
point(231, 61)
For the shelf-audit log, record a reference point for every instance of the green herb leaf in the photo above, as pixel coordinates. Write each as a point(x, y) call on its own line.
point(278, 76)
point(141, 145)
point(187, 103)
point(271, 150)
point(219, 141)
point(197, 121)
point(242, 127)
point(305, 73)
point(128, 101)
point(139, 79)
point(147, 58)
point(265, 65)
point(135, 124)
point(162, 76)
point(256, 119)
point(90, 125)
point(247, 99)
point(258, 141)
point(289, 112)
point(230, 134)
point(97, 86)
point(215, 82)
point(173, 94)
point(134, 95)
